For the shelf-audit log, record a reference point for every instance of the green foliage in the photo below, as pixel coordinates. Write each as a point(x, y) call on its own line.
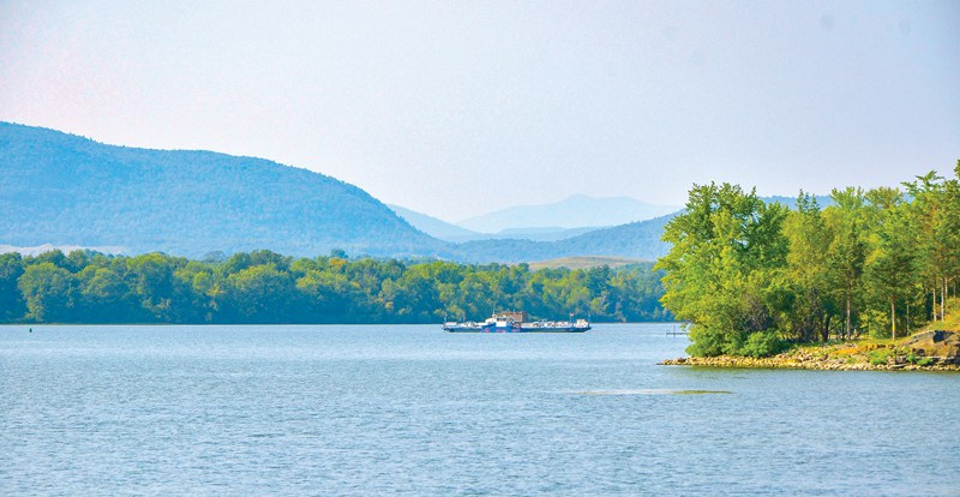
point(722, 271)
point(762, 343)
point(266, 287)
point(876, 323)
point(706, 342)
point(11, 303)
point(807, 273)
point(711, 342)
point(873, 261)
point(49, 292)
point(880, 356)
point(846, 253)
point(891, 269)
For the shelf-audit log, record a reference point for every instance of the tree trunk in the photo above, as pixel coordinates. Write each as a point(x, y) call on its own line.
point(933, 303)
point(893, 319)
point(943, 301)
point(846, 327)
point(909, 323)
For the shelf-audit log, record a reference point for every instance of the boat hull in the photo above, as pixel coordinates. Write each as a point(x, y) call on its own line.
point(515, 322)
point(514, 329)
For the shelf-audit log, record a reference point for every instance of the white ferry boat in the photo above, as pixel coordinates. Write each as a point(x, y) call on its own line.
point(516, 322)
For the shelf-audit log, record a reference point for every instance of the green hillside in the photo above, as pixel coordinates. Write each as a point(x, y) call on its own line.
point(64, 189)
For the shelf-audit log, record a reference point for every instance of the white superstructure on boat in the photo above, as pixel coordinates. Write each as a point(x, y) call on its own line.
point(515, 322)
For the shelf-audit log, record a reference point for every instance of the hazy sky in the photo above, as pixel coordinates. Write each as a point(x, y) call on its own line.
point(456, 108)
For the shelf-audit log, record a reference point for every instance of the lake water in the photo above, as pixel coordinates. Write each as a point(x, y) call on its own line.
point(412, 410)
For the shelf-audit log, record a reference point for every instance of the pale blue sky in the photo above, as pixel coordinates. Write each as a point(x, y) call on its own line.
point(457, 108)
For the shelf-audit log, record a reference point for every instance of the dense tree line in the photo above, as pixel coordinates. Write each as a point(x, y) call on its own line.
point(266, 287)
point(749, 275)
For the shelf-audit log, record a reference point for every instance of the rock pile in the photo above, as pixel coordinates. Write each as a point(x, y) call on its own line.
point(944, 346)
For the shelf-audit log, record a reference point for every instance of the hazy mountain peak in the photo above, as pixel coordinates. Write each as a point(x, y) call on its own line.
point(574, 211)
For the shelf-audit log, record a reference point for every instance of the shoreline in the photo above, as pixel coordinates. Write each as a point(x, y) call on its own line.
point(931, 350)
point(807, 363)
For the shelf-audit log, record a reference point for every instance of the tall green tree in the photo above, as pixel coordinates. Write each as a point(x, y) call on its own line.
point(936, 220)
point(12, 305)
point(49, 291)
point(104, 295)
point(721, 270)
point(848, 222)
point(262, 294)
point(811, 305)
point(891, 265)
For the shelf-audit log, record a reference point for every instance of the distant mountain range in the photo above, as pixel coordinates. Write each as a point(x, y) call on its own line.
point(573, 212)
point(450, 232)
point(435, 227)
point(640, 240)
point(70, 191)
point(637, 240)
point(67, 190)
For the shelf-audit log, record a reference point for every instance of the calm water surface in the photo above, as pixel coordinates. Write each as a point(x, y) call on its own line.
point(411, 410)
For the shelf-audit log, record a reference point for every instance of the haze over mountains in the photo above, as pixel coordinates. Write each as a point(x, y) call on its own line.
point(450, 232)
point(434, 227)
point(640, 240)
point(578, 211)
point(66, 190)
point(568, 218)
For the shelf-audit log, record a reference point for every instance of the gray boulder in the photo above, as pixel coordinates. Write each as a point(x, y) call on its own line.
point(941, 344)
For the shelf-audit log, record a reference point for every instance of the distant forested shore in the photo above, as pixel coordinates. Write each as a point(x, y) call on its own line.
point(266, 287)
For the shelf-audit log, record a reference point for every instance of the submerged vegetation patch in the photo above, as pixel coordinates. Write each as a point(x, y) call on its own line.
point(652, 391)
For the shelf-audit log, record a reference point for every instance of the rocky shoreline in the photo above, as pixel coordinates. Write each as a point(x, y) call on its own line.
point(778, 362)
point(937, 350)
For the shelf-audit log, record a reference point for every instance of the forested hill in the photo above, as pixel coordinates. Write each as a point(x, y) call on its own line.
point(640, 240)
point(64, 189)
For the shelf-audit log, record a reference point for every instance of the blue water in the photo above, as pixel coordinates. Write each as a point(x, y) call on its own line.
point(411, 410)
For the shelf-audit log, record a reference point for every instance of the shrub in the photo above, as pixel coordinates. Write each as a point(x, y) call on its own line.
point(707, 342)
point(734, 343)
point(762, 344)
point(879, 357)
